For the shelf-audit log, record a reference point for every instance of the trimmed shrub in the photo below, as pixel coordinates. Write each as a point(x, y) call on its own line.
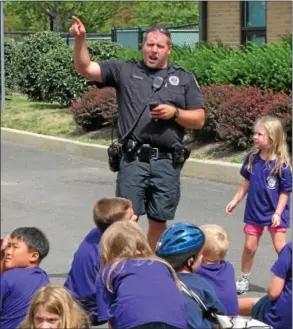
point(57, 78)
point(95, 108)
point(11, 55)
point(103, 49)
point(29, 65)
point(268, 67)
point(244, 105)
point(200, 60)
point(128, 54)
point(214, 96)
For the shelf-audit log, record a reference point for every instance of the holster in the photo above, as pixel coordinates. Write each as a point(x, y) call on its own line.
point(180, 155)
point(114, 156)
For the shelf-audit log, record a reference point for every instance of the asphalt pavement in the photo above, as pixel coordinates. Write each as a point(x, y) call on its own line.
point(56, 192)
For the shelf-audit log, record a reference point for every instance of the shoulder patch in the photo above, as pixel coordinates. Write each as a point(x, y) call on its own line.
point(194, 78)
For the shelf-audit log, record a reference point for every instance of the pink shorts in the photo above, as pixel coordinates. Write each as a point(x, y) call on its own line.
point(257, 229)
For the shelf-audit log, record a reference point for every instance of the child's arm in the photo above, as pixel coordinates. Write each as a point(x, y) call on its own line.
point(276, 218)
point(276, 287)
point(238, 197)
point(4, 244)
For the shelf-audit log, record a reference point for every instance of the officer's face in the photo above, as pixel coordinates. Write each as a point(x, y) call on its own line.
point(156, 50)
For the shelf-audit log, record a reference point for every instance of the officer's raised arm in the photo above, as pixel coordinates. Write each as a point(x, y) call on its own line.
point(82, 62)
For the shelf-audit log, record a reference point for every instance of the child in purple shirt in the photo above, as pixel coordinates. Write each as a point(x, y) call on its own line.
point(85, 267)
point(268, 183)
point(217, 271)
point(137, 289)
point(22, 276)
point(275, 309)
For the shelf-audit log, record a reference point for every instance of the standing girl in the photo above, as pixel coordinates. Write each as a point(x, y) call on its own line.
point(137, 289)
point(268, 183)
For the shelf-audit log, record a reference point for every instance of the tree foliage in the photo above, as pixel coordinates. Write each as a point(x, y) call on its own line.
point(98, 16)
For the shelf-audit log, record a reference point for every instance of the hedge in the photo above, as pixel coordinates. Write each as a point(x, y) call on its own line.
point(29, 62)
point(268, 67)
point(231, 112)
point(11, 56)
point(95, 108)
point(57, 78)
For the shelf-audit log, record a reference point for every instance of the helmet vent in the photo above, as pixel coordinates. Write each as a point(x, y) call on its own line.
point(179, 241)
point(178, 232)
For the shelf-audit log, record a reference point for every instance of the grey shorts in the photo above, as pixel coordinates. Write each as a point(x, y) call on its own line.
point(153, 187)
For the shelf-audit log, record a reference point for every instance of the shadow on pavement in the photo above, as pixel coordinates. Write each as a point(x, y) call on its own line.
point(57, 275)
point(255, 288)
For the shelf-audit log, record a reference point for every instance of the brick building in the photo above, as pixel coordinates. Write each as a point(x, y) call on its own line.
point(235, 22)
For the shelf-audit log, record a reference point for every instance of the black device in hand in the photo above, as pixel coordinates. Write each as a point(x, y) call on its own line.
point(152, 105)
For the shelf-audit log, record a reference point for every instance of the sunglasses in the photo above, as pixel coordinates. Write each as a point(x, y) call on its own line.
point(160, 29)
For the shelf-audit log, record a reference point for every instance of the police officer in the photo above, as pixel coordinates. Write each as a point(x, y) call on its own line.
point(156, 101)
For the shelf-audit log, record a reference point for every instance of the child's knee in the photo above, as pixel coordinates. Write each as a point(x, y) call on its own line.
point(250, 248)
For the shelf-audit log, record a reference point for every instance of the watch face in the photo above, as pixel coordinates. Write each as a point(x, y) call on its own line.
point(176, 112)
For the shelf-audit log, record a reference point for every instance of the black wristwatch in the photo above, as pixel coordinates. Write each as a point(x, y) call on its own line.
point(176, 114)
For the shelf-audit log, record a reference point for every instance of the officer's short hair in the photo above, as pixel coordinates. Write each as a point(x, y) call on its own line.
point(35, 240)
point(160, 28)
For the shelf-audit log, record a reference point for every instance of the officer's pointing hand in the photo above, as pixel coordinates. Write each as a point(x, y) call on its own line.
point(163, 111)
point(77, 29)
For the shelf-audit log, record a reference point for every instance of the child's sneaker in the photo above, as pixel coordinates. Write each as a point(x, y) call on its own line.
point(242, 286)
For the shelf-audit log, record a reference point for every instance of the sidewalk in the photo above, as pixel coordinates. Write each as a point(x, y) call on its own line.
point(204, 169)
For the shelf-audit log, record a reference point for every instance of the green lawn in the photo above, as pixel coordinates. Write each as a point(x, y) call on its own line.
point(42, 118)
point(37, 117)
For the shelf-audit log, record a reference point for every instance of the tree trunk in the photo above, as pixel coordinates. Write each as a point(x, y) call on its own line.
point(51, 24)
point(56, 24)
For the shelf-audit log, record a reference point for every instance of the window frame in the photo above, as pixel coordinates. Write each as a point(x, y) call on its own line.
point(259, 31)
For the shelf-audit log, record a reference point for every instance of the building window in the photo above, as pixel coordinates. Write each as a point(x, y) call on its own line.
point(253, 22)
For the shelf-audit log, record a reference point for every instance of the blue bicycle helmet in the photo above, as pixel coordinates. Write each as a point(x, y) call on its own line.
point(180, 238)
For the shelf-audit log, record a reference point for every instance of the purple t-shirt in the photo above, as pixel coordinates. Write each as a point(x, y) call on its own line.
point(82, 277)
point(18, 286)
point(144, 291)
point(280, 314)
point(221, 277)
point(264, 191)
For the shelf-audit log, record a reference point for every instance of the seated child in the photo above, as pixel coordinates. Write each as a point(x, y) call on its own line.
point(82, 277)
point(274, 309)
point(22, 277)
point(217, 271)
point(54, 307)
point(136, 289)
point(181, 245)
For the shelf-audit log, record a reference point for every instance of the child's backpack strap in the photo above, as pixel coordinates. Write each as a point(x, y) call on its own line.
point(223, 321)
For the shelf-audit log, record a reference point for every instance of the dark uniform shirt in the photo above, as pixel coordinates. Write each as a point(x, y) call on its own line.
point(133, 82)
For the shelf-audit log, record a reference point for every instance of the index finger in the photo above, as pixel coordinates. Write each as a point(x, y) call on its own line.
point(4, 242)
point(76, 20)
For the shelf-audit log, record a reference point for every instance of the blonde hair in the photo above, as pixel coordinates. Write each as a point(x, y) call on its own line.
point(125, 240)
point(277, 144)
point(109, 210)
point(216, 243)
point(57, 300)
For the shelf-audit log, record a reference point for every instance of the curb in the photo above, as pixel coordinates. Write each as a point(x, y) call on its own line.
point(218, 171)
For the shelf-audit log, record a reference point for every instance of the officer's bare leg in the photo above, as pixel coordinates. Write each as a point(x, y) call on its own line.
point(156, 229)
